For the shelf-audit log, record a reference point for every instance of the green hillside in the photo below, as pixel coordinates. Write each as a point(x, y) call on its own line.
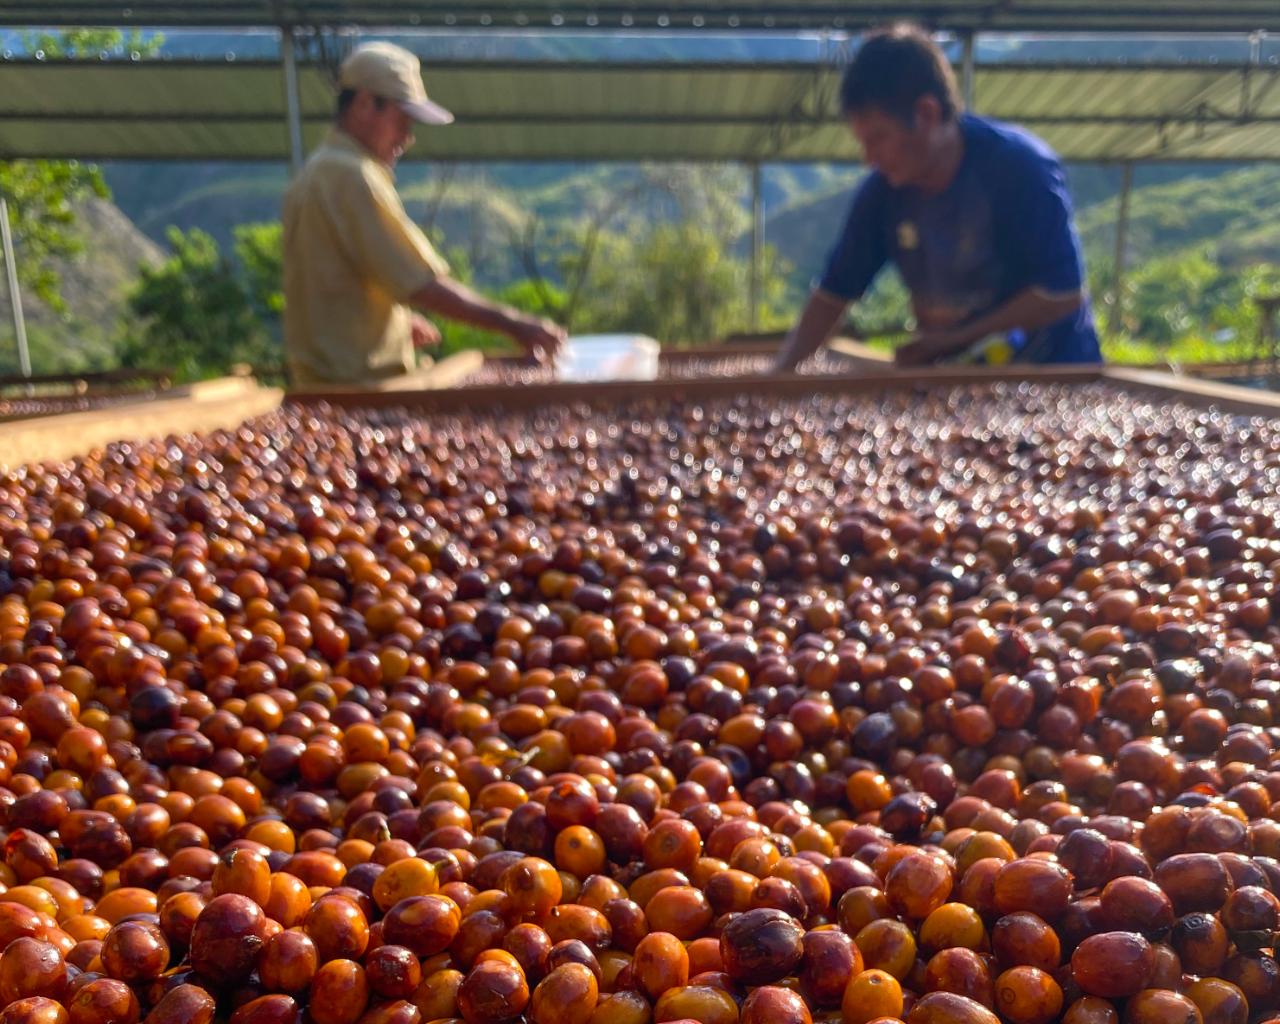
point(805, 229)
point(500, 221)
point(94, 285)
point(1170, 209)
point(479, 210)
point(1236, 217)
point(475, 208)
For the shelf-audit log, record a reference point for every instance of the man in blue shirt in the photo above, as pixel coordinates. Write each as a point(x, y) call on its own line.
point(975, 214)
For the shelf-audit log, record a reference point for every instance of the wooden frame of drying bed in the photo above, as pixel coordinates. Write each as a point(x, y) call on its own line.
point(226, 403)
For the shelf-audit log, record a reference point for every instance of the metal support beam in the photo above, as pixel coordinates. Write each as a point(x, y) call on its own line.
point(289, 58)
point(1122, 245)
point(15, 293)
point(757, 244)
point(968, 68)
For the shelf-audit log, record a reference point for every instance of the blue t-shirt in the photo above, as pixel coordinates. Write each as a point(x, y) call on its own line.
point(1003, 225)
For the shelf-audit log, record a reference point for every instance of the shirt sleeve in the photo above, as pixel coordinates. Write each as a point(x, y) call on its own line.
point(861, 251)
point(1040, 229)
point(380, 238)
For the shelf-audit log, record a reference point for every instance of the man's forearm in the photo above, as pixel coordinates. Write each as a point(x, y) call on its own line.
point(814, 328)
point(448, 298)
point(1029, 310)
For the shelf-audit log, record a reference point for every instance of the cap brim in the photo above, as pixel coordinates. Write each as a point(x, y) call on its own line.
point(426, 112)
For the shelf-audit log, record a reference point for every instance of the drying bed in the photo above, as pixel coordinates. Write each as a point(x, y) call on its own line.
point(24, 408)
point(56, 394)
point(928, 702)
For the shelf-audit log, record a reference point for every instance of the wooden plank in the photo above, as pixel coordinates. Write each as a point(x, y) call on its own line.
point(449, 372)
point(217, 388)
point(454, 370)
point(1206, 371)
point(731, 350)
point(861, 353)
point(686, 390)
point(63, 404)
point(763, 339)
point(67, 436)
point(44, 406)
point(1202, 393)
point(97, 378)
point(1215, 371)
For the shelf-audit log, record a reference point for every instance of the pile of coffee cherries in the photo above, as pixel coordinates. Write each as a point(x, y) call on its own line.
point(948, 706)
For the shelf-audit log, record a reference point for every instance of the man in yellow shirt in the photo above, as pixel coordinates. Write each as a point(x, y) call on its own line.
point(355, 266)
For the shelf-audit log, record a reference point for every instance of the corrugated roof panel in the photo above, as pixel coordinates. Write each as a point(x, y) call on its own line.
point(207, 110)
point(1133, 92)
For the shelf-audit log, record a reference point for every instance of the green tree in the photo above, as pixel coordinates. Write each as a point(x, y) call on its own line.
point(92, 42)
point(42, 194)
point(41, 197)
point(259, 252)
point(1235, 307)
point(679, 283)
point(885, 311)
point(196, 313)
point(1169, 297)
point(660, 254)
point(1188, 306)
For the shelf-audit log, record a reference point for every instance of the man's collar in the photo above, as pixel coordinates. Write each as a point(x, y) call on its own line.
point(339, 139)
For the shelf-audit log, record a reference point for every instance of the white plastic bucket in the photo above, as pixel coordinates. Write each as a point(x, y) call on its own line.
point(608, 357)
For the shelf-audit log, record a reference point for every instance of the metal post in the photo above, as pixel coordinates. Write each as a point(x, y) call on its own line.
point(968, 68)
point(15, 294)
point(757, 243)
point(289, 57)
point(1122, 244)
point(477, 215)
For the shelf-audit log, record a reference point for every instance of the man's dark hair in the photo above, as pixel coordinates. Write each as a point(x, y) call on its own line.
point(896, 67)
point(347, 96)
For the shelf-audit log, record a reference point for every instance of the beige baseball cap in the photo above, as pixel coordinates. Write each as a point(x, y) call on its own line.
point(395, 74)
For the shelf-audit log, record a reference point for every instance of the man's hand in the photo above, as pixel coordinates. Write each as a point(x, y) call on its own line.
point(928, 347)
point(425, 334)
point(540, 338)
point(443, 296)
point(822, 313)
